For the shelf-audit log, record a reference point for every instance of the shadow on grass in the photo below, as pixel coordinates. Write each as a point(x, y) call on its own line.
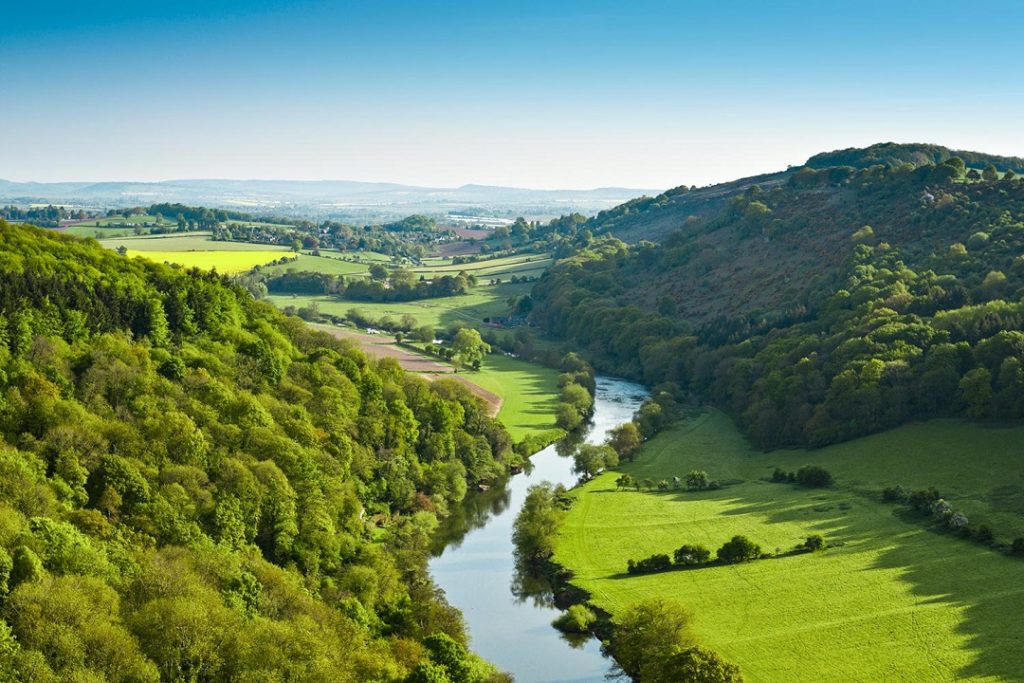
point(940, 569)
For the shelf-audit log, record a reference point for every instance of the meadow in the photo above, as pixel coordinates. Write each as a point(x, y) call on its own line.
point(529, 393)
point(891, 600)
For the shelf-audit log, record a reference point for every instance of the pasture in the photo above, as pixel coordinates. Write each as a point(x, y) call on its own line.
point(891, 600)
point(529, 394)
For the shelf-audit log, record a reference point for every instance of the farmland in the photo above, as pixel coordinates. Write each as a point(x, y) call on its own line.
point(227, 261)
point(891, 600)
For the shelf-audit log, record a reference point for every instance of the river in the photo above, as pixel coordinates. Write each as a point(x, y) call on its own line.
point(475, 566)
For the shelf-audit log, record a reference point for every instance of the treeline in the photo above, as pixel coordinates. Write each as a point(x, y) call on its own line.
point(881, 341)
point(401, 284)
point(196, 487)
point(893, 155)
point(46, 216)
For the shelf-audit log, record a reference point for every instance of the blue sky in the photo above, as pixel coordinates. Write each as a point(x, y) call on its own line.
point(643, 93)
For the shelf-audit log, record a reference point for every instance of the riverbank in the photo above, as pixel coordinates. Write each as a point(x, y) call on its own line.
point(476, 567)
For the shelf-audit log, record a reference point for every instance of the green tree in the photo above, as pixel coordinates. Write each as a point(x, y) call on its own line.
point(469, 348)
point(533, 532)
point(647, 634)
point(697, 665)
point(625, 439)
point(976, 390)
point(738, 549)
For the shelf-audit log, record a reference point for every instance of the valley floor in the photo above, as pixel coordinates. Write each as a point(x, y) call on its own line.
point(891, 600)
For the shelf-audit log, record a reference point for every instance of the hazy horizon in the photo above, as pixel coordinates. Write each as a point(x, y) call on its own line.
point(652, 94)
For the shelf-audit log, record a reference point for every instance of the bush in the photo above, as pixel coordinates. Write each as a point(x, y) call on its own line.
point(691, 555)
point(895, 494)
point(576, 619)
point(813, 476)
point(983, 534)
point(1017, 547)
point(923, 499)
point(779, 476)
point(649, 565)
point(738, 549)
point(814, 543)
point(697, 479)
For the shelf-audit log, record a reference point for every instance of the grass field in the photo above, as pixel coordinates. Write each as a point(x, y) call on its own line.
point(98, 232)
point(469, 308)
point(328, 265)
point(223, 261)
point(892, 601)
point(529, 394)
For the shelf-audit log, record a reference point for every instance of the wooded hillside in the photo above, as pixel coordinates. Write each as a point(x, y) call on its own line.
point(194, 487)
point(830, 304)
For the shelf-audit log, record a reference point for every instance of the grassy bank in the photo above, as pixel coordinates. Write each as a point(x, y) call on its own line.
point(891, 600)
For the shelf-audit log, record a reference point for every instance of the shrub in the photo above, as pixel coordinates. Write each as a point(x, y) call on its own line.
point(923, 499)
point(983, 534)
point(738, 549)
point(576, 619)
point(697, 479)
point(814, 543)
point(691, 555)
point(895, 494)
point(1017, 547)
point(813, 476)
point(779, 476)
point(649, 565)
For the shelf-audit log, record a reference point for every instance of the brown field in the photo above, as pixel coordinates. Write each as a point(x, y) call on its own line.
point(384, 346)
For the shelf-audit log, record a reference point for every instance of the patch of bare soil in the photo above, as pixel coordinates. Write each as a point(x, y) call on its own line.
point(384, 346)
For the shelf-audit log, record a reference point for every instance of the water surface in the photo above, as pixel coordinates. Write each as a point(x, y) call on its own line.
point(476, 568)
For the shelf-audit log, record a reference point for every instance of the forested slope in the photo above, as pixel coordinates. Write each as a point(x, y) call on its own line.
point(833, 303)
point(194, 487)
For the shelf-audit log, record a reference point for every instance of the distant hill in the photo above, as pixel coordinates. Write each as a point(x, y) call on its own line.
point(778, 296)
point(331, 198)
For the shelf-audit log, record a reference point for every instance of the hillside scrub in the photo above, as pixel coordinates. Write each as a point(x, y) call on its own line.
point(196, 487)
point(855, 337)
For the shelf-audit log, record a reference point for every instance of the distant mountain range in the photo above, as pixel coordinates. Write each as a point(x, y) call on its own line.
point(322, 197)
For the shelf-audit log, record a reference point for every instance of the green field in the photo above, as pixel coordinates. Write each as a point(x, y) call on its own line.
point(892, 601)
point(223, 261)
point(328, 265)
point(529, 394)
point(472, 308)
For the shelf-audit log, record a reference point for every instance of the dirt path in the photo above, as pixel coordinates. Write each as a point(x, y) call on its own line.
point(384, 346)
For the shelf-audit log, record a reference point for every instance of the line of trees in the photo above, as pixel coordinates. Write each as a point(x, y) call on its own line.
point(734, 551)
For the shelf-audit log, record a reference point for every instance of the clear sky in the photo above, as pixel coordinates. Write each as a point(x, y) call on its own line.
point(639, 93)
